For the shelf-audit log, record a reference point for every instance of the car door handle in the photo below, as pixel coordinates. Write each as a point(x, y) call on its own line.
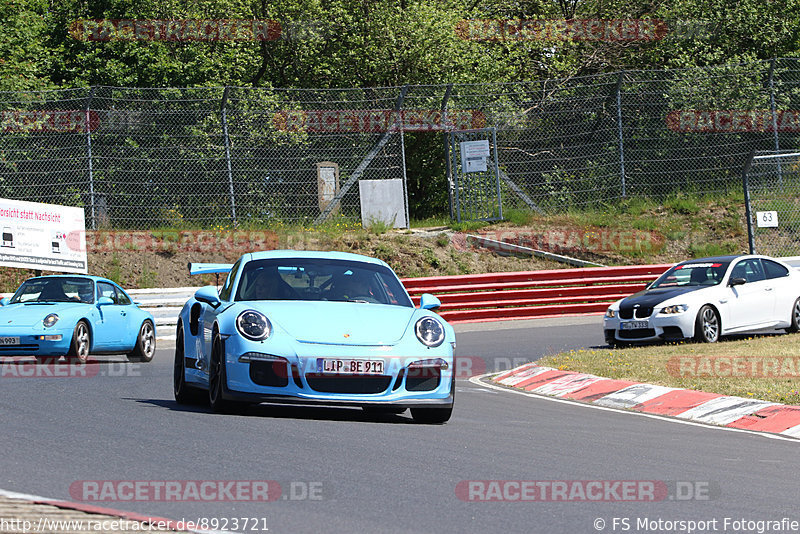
point(768, 289)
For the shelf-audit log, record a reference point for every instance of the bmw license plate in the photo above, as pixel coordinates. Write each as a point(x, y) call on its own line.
point(349, 367)
point(9, 340)
point(632, 325)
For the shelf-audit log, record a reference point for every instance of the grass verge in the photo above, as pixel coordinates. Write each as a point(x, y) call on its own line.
point(762, 367)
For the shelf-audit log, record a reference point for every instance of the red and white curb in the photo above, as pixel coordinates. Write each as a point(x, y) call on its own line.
point(690, 405)
point(169, 524)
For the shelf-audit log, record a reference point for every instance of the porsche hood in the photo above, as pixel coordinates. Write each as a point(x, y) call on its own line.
point(31, 314)
point(340, 323)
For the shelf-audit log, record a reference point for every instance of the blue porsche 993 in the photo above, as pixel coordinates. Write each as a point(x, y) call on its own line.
point(74, 316)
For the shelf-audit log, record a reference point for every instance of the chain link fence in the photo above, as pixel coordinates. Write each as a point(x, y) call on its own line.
point(772, 201)
point(145, 157)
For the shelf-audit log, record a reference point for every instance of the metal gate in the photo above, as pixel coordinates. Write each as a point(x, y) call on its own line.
point(475, 175)
point(772, 203)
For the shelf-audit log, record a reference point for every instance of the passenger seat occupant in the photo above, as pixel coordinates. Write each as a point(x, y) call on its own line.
point(53, 292)
point(346, 287)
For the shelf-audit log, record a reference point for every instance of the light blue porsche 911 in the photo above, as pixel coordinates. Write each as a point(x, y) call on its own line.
point(314, 328)
point(74, 316)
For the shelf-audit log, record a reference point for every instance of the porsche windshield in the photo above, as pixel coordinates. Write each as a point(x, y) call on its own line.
point(692, 274)
point(320, 279)
point(55, 290)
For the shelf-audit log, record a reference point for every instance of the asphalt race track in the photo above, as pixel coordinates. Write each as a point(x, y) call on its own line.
point(343, 471)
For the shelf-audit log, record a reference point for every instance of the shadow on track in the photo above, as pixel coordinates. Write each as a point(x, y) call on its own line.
point(284, 411)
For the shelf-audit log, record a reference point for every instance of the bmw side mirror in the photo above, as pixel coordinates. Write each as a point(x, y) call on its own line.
point(208, 295)
point(737, 281)
point(4, 301)
point(429, 302)
point(104, 301)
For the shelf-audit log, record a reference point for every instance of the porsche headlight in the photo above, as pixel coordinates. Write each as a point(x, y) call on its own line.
point(253, 325)
point(50, 320)
point(673, 309)
point(611, 313)
point(430, 332)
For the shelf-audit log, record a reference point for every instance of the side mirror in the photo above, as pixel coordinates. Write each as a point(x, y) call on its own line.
point(208, 295)
point(737, 281)
point(429, 302)
point(103, 301)
point(4, 301)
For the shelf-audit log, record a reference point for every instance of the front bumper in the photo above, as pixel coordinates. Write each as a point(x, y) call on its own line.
point(657, 327)
point(35, 342)
point(295, 376)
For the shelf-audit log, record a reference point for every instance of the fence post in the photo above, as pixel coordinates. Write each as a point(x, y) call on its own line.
point(747, 213)
point(446, 137)
point(774, 117)
point(89, 154)
point(224, 113)
point(619, 132)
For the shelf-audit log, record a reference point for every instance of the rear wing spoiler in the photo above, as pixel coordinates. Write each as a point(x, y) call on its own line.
point(209, 268)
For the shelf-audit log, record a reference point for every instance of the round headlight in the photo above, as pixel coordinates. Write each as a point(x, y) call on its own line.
point(50, 320)
point(429, 332)
point(610, 313)
point(253, 325)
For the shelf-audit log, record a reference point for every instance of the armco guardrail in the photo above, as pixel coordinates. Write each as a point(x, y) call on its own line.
point(527, 295)
point(476, 297)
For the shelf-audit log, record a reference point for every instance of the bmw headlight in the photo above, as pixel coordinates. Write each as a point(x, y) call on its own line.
point(611, 313)
point(50, 320)
point(430, 332)
point(253, 325)
point(673, 309)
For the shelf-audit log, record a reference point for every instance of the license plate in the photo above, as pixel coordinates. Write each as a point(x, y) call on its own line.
point(9, 340)
point(349, 367)
point(631, 325)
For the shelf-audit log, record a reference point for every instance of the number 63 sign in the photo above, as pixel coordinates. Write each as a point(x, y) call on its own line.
point(767, 219)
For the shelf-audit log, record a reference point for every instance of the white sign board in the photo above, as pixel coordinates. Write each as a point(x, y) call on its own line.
point(767, 219)
point(474, 155)
point(383, 201)
point(42, 236)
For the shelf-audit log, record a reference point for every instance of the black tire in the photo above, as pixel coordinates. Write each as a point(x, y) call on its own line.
point(432, 416)
point(217, 380)
point(795, 321)
point(81, 343)
point(435, 416)
point(145, 347)
point(707, 326)
point(184, 393)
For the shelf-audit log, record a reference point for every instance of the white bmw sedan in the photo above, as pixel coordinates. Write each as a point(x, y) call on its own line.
point(707, 298)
